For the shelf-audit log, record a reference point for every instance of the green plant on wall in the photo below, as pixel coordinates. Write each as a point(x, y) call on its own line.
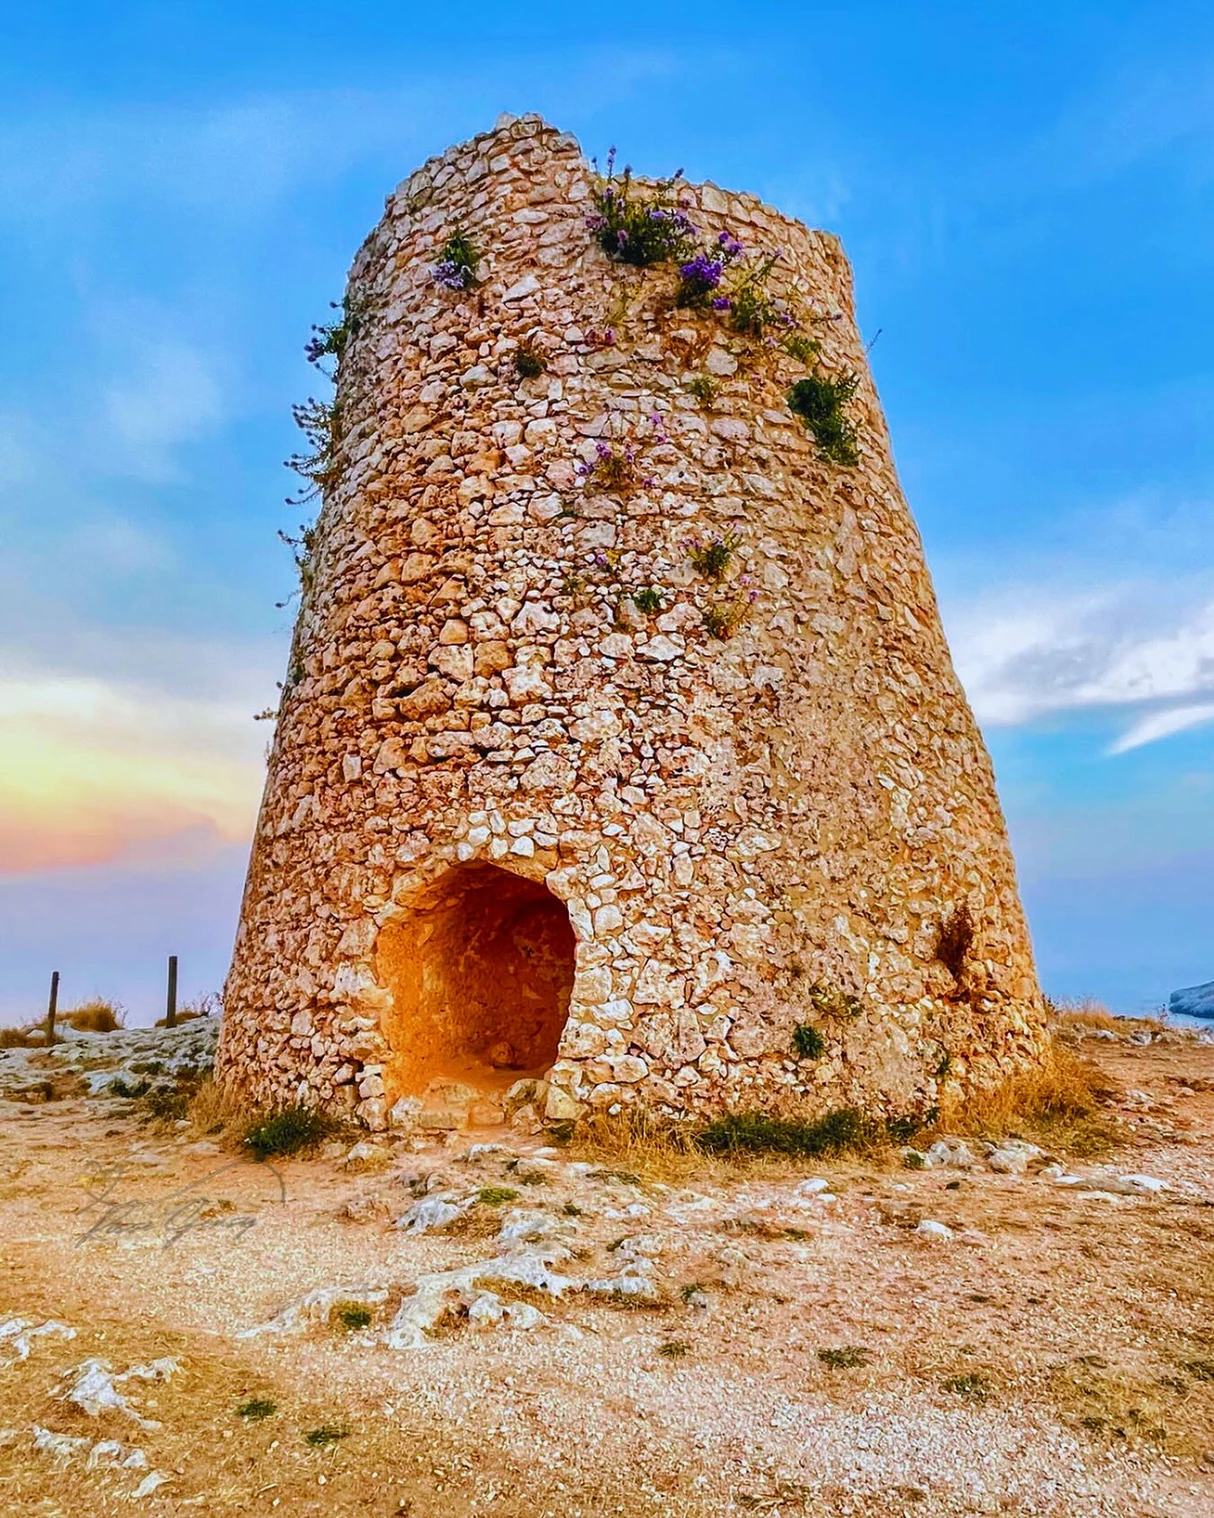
point(331, 339)
point(819, 401)
point(804, 349)
point(752, 307)
point(722, 618)
point(648, 600)
point(529, 361)
point(712, 557)
point(302, 549)
point(807, 1042)
point(830, 1001)
point(458, 260)
point(320, 423)
point(703, 387)
point(639, 226)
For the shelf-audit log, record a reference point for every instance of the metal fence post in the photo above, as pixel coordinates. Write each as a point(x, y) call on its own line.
point(170, 1009)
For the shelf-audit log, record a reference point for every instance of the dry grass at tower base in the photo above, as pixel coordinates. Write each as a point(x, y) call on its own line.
point(810, 1346)
point(1062, 1101)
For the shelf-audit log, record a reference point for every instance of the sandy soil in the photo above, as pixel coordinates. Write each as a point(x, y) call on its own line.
point(1055, 1356)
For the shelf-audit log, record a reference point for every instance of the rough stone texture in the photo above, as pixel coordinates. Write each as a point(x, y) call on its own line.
point(1194, 1001)
point(746, 833)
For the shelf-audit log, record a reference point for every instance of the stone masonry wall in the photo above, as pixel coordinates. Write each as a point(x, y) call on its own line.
point(749, 833)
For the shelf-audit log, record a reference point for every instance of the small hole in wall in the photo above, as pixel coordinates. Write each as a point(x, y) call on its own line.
point(955, 940)
point(481, 972)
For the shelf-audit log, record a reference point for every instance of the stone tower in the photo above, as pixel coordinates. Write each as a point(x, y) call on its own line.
point(620, 739)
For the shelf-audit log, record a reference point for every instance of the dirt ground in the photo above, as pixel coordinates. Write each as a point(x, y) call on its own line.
point(801, 1353)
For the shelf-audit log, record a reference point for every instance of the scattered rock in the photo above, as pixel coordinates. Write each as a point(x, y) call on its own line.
point(150, 1483)
point(434, 1212)
point(1009, 1161)
point(813, 1187)
point(953, 1153)
point(366, 1209)
point(17, 1333)
point(93, 1387)
point(366, 1156)
point(445, 1292)
point(62, 1446)
point(933, 1232)
point(403, 1115)
point(315, 1307)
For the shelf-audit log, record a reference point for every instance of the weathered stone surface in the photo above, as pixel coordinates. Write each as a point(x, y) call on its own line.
point(1194, 1001)
point(720, 837)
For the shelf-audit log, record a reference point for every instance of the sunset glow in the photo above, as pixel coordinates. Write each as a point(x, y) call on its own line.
point(92, 772)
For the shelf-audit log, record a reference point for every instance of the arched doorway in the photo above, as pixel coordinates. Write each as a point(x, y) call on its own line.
point(481, 972)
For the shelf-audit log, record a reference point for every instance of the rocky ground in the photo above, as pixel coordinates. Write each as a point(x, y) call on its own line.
point(492, 1324)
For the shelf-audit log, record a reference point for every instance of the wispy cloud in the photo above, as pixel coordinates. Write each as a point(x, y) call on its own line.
point(169, 397)
point(234, 159)
point(1155, 725)
point(116, 546)
point(94, 769)
point(1135, 114)
point(1028, 653)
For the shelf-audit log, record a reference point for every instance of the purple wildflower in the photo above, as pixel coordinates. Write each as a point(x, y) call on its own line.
point(698, 278)
point(702, 270)
point(452, 276)
point(721, 303)
point(603, 449)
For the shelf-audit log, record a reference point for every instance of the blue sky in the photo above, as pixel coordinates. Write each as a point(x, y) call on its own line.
point(1026, 193)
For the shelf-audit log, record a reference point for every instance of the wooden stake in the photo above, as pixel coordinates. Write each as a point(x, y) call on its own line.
point(52, 1008)
point(170, 1009)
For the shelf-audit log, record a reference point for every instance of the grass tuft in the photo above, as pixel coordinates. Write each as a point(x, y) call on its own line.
point(674, 1349)
point(1086, 1013)
point(353, 1315)
point(496, 1196)
point(326, 1434)
point(759, 1133)
point(1112, 1404)
point(289, 1131)
point(1060, 1102)
point(845, 1357)
point(167, 1106)
point(974, 1386)
point(257, 1408)
point(96, 1016)
point(215, 1109)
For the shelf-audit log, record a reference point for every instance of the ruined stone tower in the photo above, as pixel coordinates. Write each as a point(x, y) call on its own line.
point(620, 740)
